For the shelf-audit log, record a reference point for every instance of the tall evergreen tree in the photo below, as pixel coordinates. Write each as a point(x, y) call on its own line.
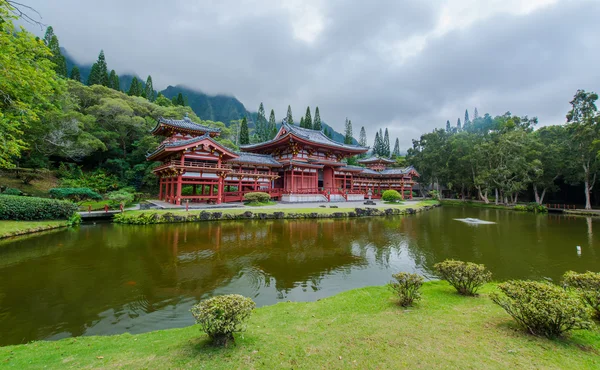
point(396, 152)
point(362, 137)
point(272, 125)
point(102, 69)
point(348, 132)
point(381, 151)
point(386, 143)
point(458, 124)
point(467, 120)
point(149, 89)
point(135, 89)
point(262, 129)
point(113, 81)
point(48, 35)
point(288, 117)
point(93, 77)
point(308, 122)
point(475, 114)
point(75, 74)
point(181, 101)
point(302, 122)
point(458, 127)
point(60, 62)
point(317, 125)
point(448, 129)
point(244, 134)
point(377, 145)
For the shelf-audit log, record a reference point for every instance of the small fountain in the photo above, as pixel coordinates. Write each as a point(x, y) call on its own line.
point(474, 221)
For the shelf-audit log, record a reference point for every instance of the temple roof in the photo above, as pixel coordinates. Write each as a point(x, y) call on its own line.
point(398, 171)
point(314, 136)
point(184, 124)
point(257, 159)
point(350, 168)
point(377, 159)
point(188, 142)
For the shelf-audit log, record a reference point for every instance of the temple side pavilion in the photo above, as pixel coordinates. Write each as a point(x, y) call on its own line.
point(298, 165)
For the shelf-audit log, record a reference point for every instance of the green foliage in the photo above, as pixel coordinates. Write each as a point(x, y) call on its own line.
point(407, 287)
point(74, 194)
point(120, 197)
point(99, 73)
point(466, 277)
point(258, 196)
point(221, 316)
point(11, 191)
point(289, 118)
point(135, 89)
point(308, 122)
point(244, 134)
point(542, 308)
point(75, 74)
point(435, 194)
point(99, 181)
point(30, 208)
point(531, 207)
point(587, 286)
point(391, 196)
point(317, 125)
point(348, 139)
point(149, 88)
point(396, 152)
point(272, 125)
point(74, 220)
point(386, 144)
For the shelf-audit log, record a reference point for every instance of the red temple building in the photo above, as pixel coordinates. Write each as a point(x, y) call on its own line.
point(298, 165)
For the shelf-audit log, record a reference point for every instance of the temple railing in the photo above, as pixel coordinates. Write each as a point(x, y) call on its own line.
point(194, 165)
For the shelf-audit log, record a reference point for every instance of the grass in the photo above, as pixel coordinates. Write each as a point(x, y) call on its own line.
point(452, 202)
point(36, 188)
point(260, 204)
point(362, 328)
point(13, 228)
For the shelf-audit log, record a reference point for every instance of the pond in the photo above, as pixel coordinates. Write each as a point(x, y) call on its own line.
point(108, 279)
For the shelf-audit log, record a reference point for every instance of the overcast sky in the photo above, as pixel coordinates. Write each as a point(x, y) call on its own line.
point(405, 65)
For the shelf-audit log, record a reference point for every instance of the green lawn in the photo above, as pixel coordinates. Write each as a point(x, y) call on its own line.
point(12, 228)
point(360, 329)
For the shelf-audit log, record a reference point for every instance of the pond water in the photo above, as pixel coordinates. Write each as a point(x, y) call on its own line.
point(107, 279)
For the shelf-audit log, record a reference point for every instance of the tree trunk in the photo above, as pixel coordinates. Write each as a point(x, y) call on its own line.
point(543, 195)
point(535, 193)
point(588, 204)
point(462, 192)
point(482, 196)
point(496, 201)
point(516, 198)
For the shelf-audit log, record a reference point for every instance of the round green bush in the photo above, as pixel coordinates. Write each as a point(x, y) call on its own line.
point(258, 196)
point(120, 196)
point(407, 287)
point(587, 286)
point(542, 308)
point(221, 316)
point(391, 196)
point(14, 207)
point(466, 277)
point(74, 194)
point(12, 191)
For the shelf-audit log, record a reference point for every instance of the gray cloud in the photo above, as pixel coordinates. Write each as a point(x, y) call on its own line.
point(392, 64)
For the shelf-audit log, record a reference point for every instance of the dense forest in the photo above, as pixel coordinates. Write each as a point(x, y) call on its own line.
point(502, 157)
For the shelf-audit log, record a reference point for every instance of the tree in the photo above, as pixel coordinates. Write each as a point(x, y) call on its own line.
point(60, 62)
point(262, 127)
point(348, 132)
point(458, 124)
point(180, 100)
point(272, 125)
point(302, 122)
point(113, 81)
point(386, 144)
point(135, 89)
point(288, 118)
point(23, 59)
point(317, 125)
point(75, 74)
point(308, 122)
point(93, 77)
point(475, 114)
point(448, 126)
point(362, 137)
point(102, 69)
point(583, 129)
point(149, 89)
point(396, 152)
point(467, 120)
point(377, 145)
point(244, 135)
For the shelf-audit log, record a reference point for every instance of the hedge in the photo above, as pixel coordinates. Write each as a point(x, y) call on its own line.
point(75, 194)
point(14, 207)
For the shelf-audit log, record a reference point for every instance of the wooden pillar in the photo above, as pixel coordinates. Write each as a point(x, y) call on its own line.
point(220, 190)
point(160, 188)
point(292, 174)
point(179, 184)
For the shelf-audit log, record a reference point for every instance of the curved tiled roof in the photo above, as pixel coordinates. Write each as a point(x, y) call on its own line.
point(310, 135)
point(253, 158)
point(397, 171)
point(185, 124)
point(375, 159)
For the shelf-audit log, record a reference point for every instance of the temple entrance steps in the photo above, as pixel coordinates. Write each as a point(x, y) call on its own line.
point(334, 198)
point(303, 198)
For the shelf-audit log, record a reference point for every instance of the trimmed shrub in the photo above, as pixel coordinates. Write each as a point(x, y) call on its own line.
point(391, 196)
point(466, 277)
point(74, 194)
point(221, 316)
point(120, 196)
point(258, 196)
point(587, 287)
point(14, 207)
point(531, 207)
point(542, 308)
point(12, 191)
point(407, 287)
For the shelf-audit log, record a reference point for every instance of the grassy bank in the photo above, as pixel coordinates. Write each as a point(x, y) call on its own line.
point(14, 228)
point(453, 202)
point(362, 328)
point(340, 211)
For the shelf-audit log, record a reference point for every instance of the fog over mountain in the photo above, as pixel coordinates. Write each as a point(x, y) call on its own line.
point(408, 65)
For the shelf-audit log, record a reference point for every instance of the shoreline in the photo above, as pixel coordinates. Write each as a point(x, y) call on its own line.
point(362, 328)
point(148, 217)
point(29, 229)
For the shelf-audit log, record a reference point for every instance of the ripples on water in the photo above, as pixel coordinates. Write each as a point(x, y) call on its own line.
point(106, 279)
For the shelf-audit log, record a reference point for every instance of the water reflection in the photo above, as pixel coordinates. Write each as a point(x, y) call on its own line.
point(107, 279)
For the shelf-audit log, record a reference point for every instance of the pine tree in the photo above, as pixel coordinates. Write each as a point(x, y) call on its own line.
point(458, 124)
point(362, 137)
point(386, 144)
point(348, 132)
point(289, 119)
point(93, 78)
point(448, 126)
point(102, 69)
point(113, 81)
point(377, 145)
point(181, 101)
point(149, 89)
point(272, 125)
point(467, 120)
point(60, 62)
point(396, 152)
point(475, 114)
point(48, 35)
point(302, 122)
point(308, 122)
point(262, 129)
point(75, 74)
point(134, 89)
point(244, 135)
point(317, 125)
